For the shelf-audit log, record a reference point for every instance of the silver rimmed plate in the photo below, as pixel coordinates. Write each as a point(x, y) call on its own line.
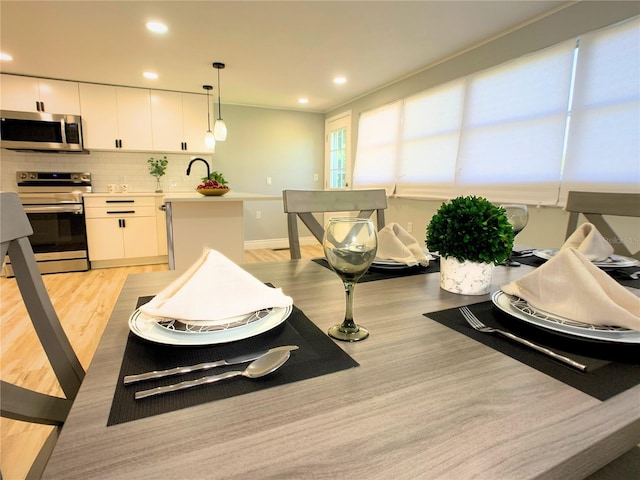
point(192, 326)
point(389, 265)
point(147, 327)
point(614, 261)
point(519, 308)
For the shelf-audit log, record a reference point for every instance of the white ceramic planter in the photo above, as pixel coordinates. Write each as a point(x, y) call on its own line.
point(465, 278)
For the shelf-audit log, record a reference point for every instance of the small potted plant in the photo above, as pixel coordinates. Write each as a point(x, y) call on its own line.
point(157, 168)
point(471, 235)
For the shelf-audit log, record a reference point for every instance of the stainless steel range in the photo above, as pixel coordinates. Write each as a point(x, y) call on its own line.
point(53, 203)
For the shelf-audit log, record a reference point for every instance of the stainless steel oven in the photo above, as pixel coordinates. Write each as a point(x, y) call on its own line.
point(53, 203)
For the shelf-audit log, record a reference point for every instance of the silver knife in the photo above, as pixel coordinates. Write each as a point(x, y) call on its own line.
point(203, 366)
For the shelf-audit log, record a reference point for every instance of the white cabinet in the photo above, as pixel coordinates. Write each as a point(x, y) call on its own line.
point(121, 228)
point(194, 119)
point(116, 117)
point(179, 121)
point(28, 94)
point(166, 121)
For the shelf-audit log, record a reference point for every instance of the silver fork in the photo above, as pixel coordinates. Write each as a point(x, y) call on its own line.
point(481, 327)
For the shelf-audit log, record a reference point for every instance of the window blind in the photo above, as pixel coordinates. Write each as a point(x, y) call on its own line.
point(377, 152)
point(603, 145)
point(514, 126)
point(430, 138)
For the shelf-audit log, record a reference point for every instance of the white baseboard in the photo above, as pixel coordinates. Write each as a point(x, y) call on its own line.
point(277, 243)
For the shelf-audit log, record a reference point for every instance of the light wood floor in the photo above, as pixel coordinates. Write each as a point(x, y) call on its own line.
point(83, 301)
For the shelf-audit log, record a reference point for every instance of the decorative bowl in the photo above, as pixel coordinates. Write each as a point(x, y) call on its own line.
point(217, 192)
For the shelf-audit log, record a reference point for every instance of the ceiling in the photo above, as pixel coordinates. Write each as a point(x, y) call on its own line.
point(275, 52)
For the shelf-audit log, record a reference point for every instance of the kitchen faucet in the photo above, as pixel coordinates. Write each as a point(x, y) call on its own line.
point(195, 160)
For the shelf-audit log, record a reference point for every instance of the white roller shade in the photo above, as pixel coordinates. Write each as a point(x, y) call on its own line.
point(603, 147)
point(377, 150)
point(514, 126)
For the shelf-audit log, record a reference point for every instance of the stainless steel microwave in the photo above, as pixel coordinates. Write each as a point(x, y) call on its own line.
point(39, 131)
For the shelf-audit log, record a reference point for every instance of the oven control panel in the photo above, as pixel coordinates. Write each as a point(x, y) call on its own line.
point(53, 178)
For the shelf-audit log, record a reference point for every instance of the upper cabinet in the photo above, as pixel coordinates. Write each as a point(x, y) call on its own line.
point(116, 117)
point(179, 121)
point(27, 94)
point(194, 121)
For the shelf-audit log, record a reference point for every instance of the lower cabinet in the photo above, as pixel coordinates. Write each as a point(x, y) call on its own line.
point(123, 230)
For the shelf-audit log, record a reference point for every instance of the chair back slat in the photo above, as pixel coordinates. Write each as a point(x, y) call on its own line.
point(593, 205)
point(304, 203)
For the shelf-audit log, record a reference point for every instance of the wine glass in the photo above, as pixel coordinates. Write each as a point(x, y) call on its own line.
point(518, 217)
point(350, 245)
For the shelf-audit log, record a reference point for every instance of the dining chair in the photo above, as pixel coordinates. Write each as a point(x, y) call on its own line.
point(16, 402)
point(593, 205)
point(304, 203)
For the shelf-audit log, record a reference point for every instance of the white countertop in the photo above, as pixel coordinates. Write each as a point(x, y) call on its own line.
point(229, 197)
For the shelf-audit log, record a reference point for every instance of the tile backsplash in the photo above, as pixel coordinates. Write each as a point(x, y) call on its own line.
point(106, 168)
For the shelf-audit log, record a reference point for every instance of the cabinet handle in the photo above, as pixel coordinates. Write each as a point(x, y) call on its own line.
point(121, 212)
point(124, 223)
point(42, 106)
point(120, 201)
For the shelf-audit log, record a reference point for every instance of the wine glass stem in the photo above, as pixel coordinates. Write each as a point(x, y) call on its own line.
point(349, 325)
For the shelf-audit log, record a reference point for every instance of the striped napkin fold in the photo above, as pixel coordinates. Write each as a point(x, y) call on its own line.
point(395, 243)
point(214, 288)
point(571, 286)
point(590, 242)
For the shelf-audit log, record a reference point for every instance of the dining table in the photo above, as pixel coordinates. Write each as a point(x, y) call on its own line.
point(419, 398)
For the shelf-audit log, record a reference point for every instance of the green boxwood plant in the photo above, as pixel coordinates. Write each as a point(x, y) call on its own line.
point(471, 228)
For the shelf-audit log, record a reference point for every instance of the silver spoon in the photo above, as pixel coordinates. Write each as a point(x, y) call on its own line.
point(260, 367)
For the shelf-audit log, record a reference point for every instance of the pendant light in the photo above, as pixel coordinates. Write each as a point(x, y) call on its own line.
point(209, 137)
point(219, 127)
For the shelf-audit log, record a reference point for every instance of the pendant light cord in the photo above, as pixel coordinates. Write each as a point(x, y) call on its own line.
point(219, 112)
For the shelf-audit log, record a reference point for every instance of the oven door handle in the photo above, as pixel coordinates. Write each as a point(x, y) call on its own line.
point(77, 209)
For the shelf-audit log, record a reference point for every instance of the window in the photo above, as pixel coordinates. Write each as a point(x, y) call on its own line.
point(338, 158)
point(503, 133)
point(376, 156)
point(603, 146)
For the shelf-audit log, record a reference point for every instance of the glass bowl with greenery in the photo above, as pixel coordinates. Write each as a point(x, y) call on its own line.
point(471, 228)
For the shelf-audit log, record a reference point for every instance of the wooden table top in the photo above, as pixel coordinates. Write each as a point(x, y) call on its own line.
point(425, 402)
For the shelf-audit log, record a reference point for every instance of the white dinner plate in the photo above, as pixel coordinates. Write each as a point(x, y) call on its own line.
point(519, 308)
point(147, 327)
point(205, 326)
point(614, 261)
point(389, 265)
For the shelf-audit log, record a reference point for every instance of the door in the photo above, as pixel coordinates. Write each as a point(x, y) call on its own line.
point(337, 170)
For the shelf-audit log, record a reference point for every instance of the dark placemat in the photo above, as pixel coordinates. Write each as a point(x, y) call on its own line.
point(317, 355)
point(621, 275)
point(374, 273)
point(612, 368)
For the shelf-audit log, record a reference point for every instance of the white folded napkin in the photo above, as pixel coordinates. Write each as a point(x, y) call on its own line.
point(590, 242)
point(395, 243)
point(570, 286)
point(214, 288)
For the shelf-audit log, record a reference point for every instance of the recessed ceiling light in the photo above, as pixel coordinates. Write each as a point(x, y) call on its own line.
point(339, 80)
point(303, 100)
point(5, 56)
point(150, 75)
point(157, 27)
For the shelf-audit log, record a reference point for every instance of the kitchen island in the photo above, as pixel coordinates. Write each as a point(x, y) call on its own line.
point(196, 222)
